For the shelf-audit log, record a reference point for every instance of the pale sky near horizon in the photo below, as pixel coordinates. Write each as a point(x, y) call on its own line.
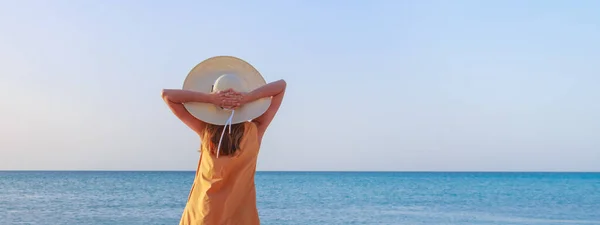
point(372, 85)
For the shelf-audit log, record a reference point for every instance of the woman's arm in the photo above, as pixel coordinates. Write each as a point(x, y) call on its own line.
point(175, 99)
point(276, 90)
point(182, 96)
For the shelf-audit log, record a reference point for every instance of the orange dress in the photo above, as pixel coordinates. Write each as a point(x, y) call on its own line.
point(223, 192)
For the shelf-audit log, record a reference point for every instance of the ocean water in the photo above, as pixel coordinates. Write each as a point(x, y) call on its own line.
point(329, 198)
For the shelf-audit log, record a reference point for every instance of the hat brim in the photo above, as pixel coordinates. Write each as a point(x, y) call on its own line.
point(203, 76)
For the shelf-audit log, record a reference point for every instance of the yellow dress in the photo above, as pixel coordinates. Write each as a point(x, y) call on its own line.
point(223, 192)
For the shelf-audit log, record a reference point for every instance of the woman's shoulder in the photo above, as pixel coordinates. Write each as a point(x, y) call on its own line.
point(251, 129)
point(251, 125)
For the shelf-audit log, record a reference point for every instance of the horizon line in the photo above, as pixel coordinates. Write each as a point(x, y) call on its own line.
point(329, 171)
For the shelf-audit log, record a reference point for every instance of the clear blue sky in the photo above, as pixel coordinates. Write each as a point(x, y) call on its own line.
point(372, 85)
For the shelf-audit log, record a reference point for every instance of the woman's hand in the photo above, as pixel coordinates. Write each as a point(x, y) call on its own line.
point(228, 99)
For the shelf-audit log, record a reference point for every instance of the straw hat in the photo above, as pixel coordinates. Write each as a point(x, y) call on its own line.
point(221, 73)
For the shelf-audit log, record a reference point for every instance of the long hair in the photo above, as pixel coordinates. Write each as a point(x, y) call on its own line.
point(231, 141)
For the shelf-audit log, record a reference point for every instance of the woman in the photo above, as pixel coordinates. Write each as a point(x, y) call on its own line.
point(223, 191)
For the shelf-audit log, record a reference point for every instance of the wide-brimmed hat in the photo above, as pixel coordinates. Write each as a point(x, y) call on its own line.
point(221, 73)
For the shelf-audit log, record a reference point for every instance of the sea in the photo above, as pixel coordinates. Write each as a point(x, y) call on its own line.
point(307, 198)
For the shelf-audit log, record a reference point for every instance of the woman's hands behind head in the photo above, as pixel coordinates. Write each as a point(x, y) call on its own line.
point(228, 99)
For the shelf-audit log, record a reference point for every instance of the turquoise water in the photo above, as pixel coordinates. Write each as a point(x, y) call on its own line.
point(131, 198)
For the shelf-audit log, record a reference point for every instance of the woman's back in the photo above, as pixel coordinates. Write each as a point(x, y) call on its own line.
point(223, 191)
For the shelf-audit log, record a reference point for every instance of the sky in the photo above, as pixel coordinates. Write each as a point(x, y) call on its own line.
point(372, 85)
